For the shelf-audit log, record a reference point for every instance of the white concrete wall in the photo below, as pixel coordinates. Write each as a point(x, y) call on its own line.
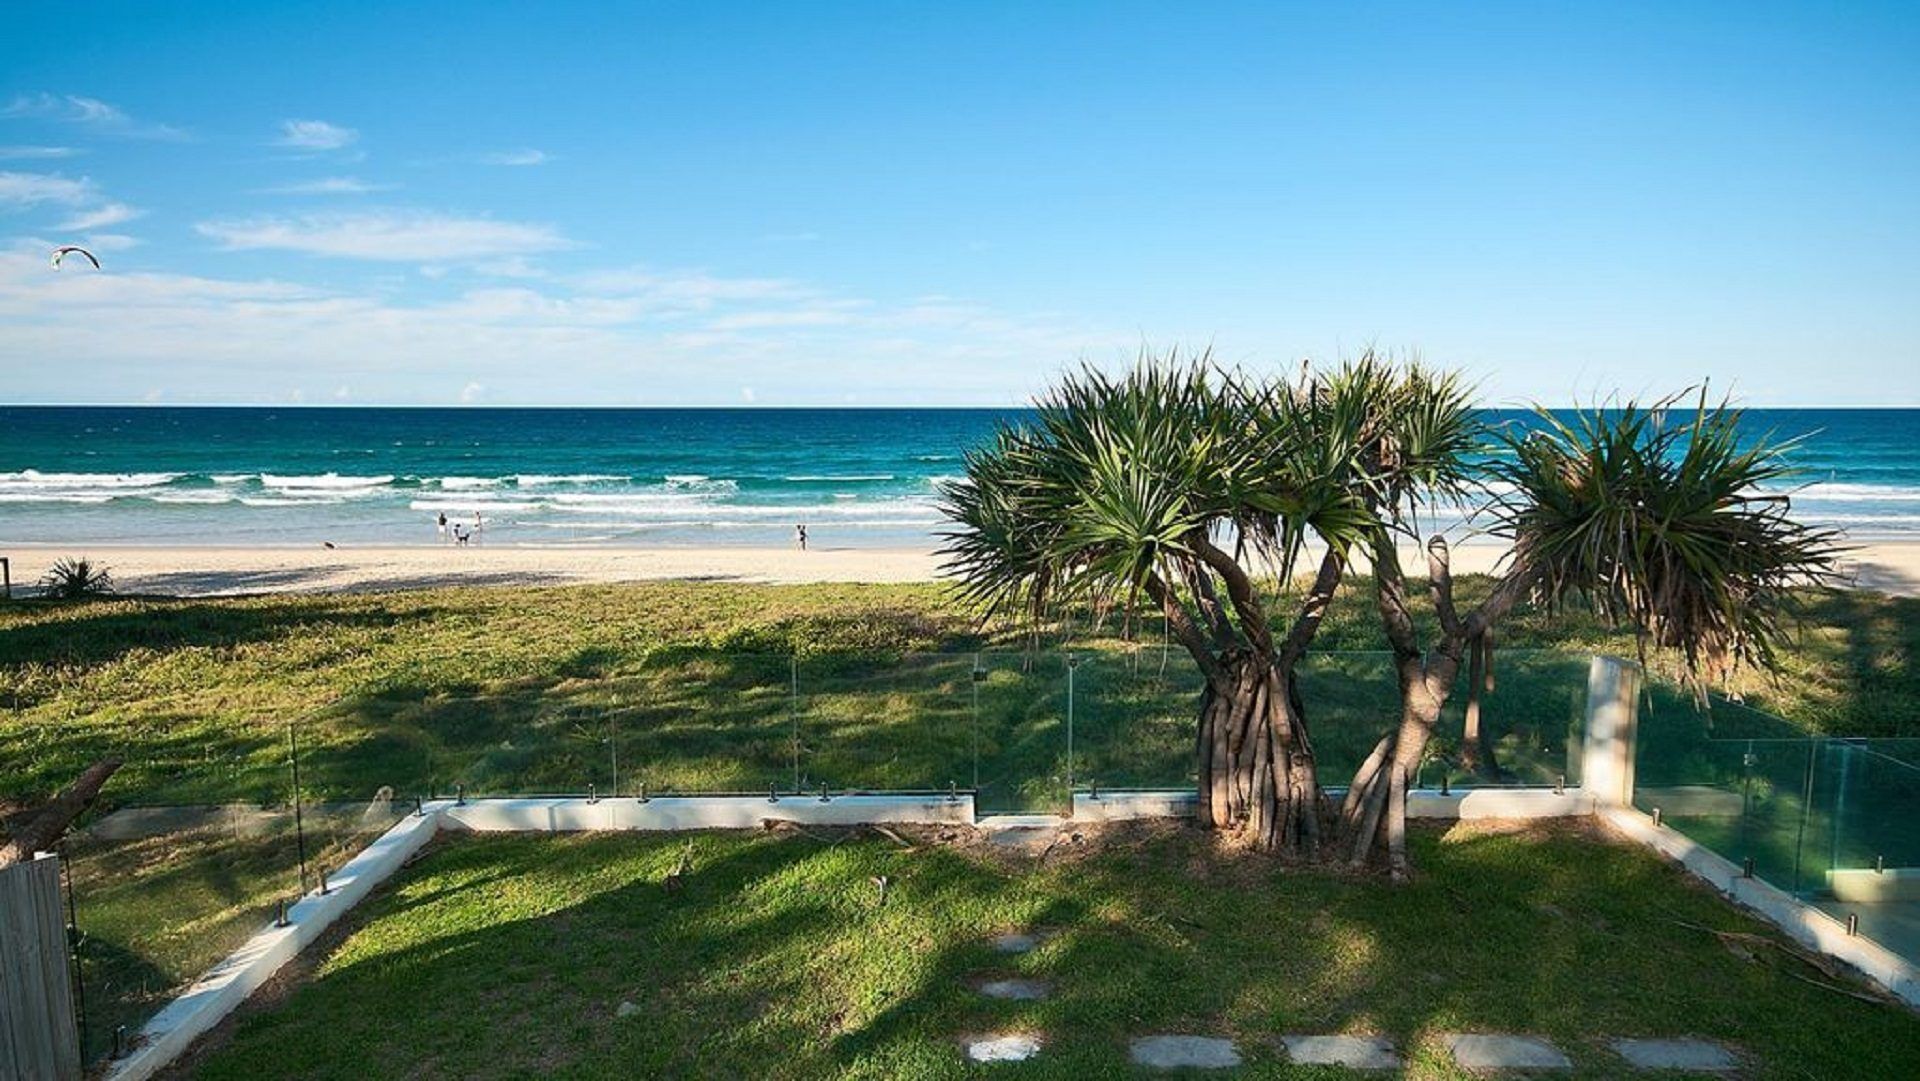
point(225, 986)
point(703, 812)
point(1806, 924)
point(1612, 731)
point(1466, 804)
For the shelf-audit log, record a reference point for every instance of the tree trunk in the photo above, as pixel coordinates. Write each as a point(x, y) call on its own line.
point(44, 829)
point(1374, 814)
point(1257, 772)
point(1476, 754)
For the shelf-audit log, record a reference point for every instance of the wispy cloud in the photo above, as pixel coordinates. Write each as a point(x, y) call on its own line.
point(656, 335)
point(386, 235)
point(314, 135)
point(91, 114)
point(100, 217)
point(21, 190)
point(328, 185)
point(523, 156)
point(36, 153)
point(86, 208)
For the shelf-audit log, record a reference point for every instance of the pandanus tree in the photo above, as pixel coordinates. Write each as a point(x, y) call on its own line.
point(1181, 489)
point(1192, 492)
point(1672, 525)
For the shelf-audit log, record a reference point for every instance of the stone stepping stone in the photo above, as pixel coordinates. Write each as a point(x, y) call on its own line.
point(1014, 942)
point(1005, 1047)
point(1477, 1051)
point(1685, 1054)
point(1353, 1052)
point(1017, 990)
point(1185, 1053)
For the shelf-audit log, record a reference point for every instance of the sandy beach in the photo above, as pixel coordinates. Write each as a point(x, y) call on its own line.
point(1891, 567)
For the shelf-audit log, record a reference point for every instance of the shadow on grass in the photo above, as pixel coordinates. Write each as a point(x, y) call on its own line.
point(512, 957)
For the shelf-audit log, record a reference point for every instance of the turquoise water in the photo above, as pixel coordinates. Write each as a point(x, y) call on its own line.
point(869, 477)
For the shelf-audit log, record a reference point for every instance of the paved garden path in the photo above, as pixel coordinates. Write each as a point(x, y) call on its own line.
point(1481, 1052)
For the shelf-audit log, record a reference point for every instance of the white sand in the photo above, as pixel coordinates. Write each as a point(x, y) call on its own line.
point(212, 571)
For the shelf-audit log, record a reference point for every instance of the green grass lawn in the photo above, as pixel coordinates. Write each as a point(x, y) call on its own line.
point(695, 687)
point(509, 956)
point(513, 688)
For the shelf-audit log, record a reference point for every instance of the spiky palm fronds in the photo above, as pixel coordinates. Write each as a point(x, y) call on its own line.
point(1676, 528)
point(1120, 479)
point(76, 579)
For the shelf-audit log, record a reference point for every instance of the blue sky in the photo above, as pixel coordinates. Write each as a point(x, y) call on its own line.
point(714, 203)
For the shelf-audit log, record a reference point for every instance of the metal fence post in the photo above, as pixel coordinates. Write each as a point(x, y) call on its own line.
point(979, 677)
point(1073, 665)
point(793, 714)
point(299, 825)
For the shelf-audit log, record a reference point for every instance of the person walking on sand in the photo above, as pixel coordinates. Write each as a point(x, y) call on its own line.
point(800, 535)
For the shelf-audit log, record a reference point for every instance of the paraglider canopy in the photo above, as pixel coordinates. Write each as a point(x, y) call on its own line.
point(62, 252)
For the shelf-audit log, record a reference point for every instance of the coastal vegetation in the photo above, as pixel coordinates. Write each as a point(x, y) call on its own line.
point(214, 682)
point(1165, 488)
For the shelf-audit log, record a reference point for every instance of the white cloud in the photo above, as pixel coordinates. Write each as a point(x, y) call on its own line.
point(90, 113)
point(523, 156)
point(26, 153)
point(387, 235)
point(513, 266)
point(100, 217)
point(665, 336)
point(314, 135)
point(99, 242)
point(328, 185)
point(21, 190)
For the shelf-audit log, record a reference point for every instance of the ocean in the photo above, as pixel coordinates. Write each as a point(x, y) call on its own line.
point(630, 477)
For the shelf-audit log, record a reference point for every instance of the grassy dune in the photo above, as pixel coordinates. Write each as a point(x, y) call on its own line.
point(198, 694)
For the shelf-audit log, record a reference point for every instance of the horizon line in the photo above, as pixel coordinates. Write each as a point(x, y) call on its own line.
point(751, 406)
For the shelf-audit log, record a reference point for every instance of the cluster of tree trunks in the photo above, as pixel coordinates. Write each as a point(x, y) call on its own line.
point(1257, 770)
point(1256, 761)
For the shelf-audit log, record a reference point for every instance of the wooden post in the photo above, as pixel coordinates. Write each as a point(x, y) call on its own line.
point(38, 1038)
point(6, 576)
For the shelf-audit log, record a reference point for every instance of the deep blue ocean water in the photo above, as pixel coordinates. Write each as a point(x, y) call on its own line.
point(866, 477)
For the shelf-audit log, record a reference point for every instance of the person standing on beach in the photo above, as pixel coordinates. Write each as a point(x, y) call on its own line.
point(443, 527)
point(800, 535)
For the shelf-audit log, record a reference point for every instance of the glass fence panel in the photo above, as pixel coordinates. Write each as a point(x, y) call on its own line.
point(161, 891)
point(1867, 797)
point(713, 722)
point(1745, 799)
point(1351, 700)
point(1020, 702)
point(889, 723)
point(1135, 713)
point(354, 780)
point(1522, 728)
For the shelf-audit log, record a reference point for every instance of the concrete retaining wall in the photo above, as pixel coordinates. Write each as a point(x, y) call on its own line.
point(227, 984)
point(704, 812)
point(1804, 923)
point(1467, 804)
point(224, 987)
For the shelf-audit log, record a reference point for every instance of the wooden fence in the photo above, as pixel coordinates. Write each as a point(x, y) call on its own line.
point(38, 1040)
